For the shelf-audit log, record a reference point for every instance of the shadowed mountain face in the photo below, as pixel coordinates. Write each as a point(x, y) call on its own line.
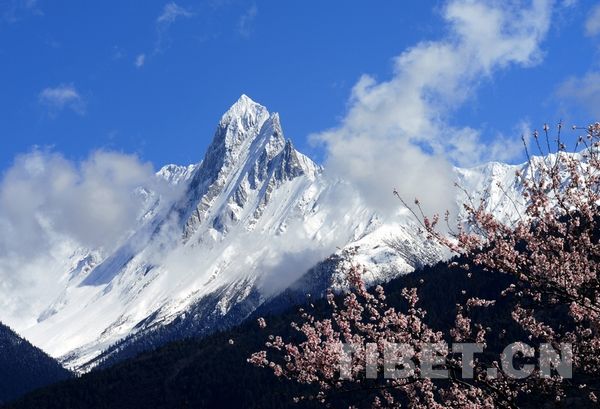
point(24, 367)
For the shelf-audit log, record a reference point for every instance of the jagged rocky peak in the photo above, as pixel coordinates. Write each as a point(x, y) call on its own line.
point(244, 109)
point(237, 128)
point(246, 161)
point(272, 158)
point(241, 122)
point(272, 134)
point(246, 132)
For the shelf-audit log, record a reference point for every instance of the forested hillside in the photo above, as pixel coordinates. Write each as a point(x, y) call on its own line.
point(212, 372)
point(24, 367)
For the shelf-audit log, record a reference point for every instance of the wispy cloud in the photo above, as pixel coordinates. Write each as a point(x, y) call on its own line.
point(584, 91)
point(63, 96)
point(246, 21)
point(592, 23)
point(140, 60)
point(398, 133)
point(12, 11)
point(170, 14)
point(568, 3)
point(118, 53)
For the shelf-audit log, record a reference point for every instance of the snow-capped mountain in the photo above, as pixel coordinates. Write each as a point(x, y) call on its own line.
point(252, 218)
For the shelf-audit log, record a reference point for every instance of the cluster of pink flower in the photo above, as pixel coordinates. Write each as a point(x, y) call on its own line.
point(368, 325)
point(552, 251)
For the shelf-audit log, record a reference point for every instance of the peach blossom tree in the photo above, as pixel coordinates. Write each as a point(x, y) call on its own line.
point(551, 250)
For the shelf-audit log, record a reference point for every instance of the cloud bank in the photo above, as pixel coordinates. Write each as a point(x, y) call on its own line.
point(398, 133)
point(51, 206)
point(93, 202)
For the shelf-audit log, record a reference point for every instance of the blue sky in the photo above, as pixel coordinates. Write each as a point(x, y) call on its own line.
point(154, 79)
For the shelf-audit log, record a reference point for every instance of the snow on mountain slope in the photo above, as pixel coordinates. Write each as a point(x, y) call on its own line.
point(494, 183)
point(176, 174)
point(251, 219)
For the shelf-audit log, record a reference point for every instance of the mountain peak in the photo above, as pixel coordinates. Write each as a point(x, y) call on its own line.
point(239, 125)
point(249, 157)
point(245, 111)
point(246, 99)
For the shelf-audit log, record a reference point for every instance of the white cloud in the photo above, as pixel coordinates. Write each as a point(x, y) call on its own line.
point(92, 202)
point(50, 206)
point(63, 96)
point(140, 60)
point(583, 91)
point(592, 23)
point(397, 133)
point(170, 14)
point(12, 11)
point(246, 20)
